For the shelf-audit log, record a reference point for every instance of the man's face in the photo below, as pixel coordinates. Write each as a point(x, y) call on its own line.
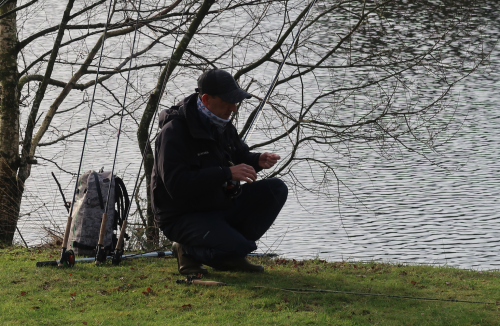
point(218, 106)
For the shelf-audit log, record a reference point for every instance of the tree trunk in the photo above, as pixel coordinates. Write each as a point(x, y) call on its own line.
point(11, 187)
point(143, 131)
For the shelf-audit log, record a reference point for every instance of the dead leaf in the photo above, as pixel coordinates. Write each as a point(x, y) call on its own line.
point(187, 306)
point(82, 310)
point(23, 293)
point(85, 323)
point(413, 282)
point(73, 294)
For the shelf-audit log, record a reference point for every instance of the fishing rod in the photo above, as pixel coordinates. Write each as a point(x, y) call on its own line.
point(119, 247)
point(197, 280)
point(156, 254)
point(118, 252)
point(100, 255)
point(92, 259)
point(258, 113)
point(68, 256)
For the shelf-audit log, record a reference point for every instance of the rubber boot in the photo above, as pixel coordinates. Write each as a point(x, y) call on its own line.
point(240, 264)
point(186, 265)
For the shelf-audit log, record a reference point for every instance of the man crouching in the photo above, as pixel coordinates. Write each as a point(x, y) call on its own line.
point(197, 198)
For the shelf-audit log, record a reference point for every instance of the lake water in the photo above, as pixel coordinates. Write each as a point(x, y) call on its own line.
point(404, 210)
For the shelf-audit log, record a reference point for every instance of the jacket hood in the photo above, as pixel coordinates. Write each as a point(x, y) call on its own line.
point(168, 115)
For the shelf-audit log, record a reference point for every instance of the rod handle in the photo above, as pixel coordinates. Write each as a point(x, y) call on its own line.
point(208, 283)
point(46, 263)
point(66, 233)
point(119, 244)
point(103, 229)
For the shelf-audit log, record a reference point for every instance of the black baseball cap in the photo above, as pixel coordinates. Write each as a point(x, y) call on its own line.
point(220, 83)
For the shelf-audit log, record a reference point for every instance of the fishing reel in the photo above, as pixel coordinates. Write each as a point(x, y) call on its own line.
point(67, 258)
point(117, 257)
point(189, 279)
point(100, 255)
point(232, 188)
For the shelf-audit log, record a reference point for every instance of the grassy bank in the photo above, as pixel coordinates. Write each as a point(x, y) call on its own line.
point(144, 292)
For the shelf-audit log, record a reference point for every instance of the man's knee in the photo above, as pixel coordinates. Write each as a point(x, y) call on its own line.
point(279, 190)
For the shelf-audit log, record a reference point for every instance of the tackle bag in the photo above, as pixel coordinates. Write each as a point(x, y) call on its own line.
point(91, 196)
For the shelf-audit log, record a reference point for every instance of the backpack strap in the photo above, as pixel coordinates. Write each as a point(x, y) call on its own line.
point(79, 245)
point(122, 201)
point(99, 193)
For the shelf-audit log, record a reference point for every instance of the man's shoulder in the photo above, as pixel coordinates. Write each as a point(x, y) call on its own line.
point(175, 127)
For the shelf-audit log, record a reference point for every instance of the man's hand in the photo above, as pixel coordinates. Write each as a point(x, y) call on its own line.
point(267, 160)
point(243, 172)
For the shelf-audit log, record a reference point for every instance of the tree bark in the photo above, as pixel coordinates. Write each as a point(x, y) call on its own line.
point(11, 187)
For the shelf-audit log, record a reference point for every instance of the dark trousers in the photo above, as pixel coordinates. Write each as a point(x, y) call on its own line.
point(217, 236)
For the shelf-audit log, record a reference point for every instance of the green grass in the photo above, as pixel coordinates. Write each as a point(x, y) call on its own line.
point(144, 292)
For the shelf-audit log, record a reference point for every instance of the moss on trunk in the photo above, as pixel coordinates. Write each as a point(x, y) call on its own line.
point(11, 187)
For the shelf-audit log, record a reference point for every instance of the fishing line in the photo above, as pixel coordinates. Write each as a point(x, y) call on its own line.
point(273, 85)
point(252, 125)
point(91, 107)
point(198, 280)
point(118, 249)
point(371, 294)
point(68, 225)
point(100, 255)
point(275, 80)
point(123, 105)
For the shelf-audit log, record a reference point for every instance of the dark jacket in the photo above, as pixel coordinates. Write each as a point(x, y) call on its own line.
point(192, 163)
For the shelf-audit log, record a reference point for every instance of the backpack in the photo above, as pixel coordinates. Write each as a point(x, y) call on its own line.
point(88, 209)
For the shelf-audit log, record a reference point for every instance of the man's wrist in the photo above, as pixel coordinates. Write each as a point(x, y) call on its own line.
point(227, 173)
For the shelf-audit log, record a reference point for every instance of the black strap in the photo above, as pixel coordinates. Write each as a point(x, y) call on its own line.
point(79, 245)
point(82, 246)
point(99, 193)
point(121, 196)
point(119, 182)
